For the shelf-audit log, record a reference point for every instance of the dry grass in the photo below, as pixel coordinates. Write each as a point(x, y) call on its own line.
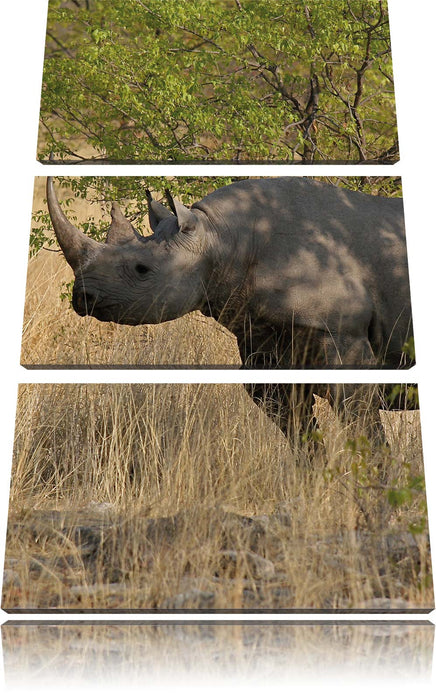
point(188, 497)
point(53, 335)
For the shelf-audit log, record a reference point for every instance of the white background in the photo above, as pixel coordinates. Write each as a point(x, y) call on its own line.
point(413, 30)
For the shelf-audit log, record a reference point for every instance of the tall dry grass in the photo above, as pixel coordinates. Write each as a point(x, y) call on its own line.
point(187, 496)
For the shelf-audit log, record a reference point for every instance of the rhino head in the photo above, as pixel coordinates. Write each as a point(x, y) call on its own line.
point(134, 279)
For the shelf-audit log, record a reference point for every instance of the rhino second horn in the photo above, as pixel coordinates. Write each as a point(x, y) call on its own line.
point(121, 230)
point(76, 247)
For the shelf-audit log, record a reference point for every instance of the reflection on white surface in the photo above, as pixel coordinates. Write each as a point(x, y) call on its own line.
point(147, 652)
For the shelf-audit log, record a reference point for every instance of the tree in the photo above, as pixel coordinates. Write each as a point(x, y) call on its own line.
point(229, 80)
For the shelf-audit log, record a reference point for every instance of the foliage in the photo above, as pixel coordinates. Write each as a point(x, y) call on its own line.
point(412, 491)
point(409, 349)
point(403, 396)
point(229, 80)
point(130, 193)
point(404, 487)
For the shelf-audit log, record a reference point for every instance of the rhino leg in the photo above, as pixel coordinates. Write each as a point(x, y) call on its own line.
point(290, 406)
point(348, 351)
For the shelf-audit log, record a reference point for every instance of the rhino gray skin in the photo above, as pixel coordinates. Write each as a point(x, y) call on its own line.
point(305, 274)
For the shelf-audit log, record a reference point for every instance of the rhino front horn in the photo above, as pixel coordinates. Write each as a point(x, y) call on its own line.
point(76, 247)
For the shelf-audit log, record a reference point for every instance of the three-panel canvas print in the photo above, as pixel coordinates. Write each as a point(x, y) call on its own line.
point(258, 494)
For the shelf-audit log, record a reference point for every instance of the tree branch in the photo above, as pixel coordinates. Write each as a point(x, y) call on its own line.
point(61, 46)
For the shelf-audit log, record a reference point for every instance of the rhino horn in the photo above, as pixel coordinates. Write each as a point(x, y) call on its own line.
point(76, 247)
point(121, 230)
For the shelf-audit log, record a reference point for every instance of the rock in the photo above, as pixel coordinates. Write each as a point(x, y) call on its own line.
point(400, 545)
point(383, 604)
point(192, 599)
point(284, 511)
point(97, 507)
point(10, 578)
point(163, 530)
point(245, 564)
point(107, 594)
point(89, 539)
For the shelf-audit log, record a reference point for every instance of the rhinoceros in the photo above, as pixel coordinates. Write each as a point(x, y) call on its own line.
point(304, 273)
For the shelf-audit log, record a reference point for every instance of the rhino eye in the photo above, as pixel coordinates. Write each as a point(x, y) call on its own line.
point(142, 269)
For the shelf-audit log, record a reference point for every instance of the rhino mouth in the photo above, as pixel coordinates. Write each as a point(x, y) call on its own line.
point(107, 315)
point(88, 304)
point(84, 303)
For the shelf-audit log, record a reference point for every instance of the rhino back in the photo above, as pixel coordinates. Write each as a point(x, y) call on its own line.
point(314, 251)
point(298, 207)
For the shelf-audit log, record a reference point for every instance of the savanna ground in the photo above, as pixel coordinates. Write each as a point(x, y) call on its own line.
point(187, 497)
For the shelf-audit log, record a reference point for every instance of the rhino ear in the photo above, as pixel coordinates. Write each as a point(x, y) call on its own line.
point(156, 211)
point(121, 230)
point(170, 201)
point(185, 217)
